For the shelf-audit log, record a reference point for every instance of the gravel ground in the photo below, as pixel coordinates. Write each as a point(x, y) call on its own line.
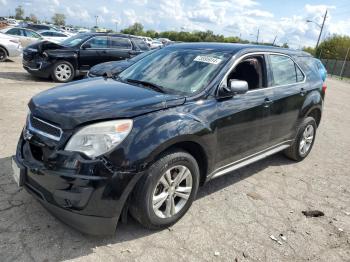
point(233, 218)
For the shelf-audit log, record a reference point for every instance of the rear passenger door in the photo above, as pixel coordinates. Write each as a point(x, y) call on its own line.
point(289, 90)
point(119, 48)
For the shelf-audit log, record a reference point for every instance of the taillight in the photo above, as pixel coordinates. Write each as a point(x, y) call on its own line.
point(324, 87)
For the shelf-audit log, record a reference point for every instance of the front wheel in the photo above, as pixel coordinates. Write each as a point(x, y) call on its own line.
point(165, 194)
point(3, 54)
point(304, 141)
point(63, 72)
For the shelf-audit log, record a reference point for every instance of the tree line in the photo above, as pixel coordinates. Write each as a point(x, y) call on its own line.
point(334, 47)
point(57, 18)
point(184, 36)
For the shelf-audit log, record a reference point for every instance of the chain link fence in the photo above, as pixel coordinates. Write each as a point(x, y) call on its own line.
point(334, 67)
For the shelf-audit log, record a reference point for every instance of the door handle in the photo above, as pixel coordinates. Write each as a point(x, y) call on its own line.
point(267, 102)
point(302, 91)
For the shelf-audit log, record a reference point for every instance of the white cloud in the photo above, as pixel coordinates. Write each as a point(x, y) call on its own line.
point(258, 13)
point(3, 2)
point(103, 10)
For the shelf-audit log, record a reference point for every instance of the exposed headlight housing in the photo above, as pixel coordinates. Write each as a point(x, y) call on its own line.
point(97, 139)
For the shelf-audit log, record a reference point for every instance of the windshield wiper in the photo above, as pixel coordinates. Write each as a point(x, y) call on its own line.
point(149, 84)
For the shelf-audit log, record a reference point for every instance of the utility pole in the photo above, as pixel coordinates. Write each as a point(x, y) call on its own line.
point(343, 67)
point(324, 20)
point(274, 40)
point(257, 36)
point(116, 26)
point(96, 17)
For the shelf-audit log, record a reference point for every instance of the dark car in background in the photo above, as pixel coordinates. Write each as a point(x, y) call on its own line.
point(115, 67)
point(144, 141)
point(77, 54)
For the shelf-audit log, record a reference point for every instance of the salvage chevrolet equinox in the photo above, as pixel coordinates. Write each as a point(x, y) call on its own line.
point(142, 142)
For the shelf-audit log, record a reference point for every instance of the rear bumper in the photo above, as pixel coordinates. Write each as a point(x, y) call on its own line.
point(89, 200)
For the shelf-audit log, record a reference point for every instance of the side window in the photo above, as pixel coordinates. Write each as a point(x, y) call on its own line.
point(14, 31)
point(140, 44)
point(251, 69)
point(97, 42)
point(284, 70)
point(32, 34)
point(300, 75)
point(119, 42)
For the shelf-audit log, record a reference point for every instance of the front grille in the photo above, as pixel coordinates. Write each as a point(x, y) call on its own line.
point(44, 128)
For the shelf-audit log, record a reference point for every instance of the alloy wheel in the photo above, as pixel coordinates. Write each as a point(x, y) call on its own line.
point(306, 140)
point(63, 72)
point(172, 191)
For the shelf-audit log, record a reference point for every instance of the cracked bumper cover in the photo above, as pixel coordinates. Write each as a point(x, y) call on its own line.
point(82, 193)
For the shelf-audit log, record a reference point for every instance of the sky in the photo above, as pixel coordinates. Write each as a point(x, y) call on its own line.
point(284, 19)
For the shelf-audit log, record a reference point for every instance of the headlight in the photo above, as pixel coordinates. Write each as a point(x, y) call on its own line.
point(97, 139)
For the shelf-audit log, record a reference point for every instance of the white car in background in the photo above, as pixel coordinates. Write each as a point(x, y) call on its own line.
point(9, 47)
point(156, 44)
point(148, 40)
point(53, 36)
point(25, 36)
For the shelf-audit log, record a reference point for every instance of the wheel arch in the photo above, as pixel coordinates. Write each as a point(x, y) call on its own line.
point(195, 149)
point(7, 52)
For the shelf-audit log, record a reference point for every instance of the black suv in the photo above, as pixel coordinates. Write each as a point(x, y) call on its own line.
point(77, 54)
point(142, 142)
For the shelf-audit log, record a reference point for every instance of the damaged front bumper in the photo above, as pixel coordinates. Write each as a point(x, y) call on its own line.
point(86, 194)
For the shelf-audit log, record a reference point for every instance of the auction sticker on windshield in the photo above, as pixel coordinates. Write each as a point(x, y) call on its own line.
point(207, 59)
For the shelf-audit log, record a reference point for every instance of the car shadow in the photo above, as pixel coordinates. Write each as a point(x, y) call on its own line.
point(22, 76)
point(124, 232)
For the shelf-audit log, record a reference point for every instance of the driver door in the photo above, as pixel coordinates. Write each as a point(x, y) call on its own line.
point(243, 125)
point(93, 52)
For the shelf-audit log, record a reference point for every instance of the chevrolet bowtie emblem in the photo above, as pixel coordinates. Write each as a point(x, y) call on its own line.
point(27, 135)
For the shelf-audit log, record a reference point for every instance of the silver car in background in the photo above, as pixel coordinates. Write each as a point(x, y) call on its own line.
point(9, 47)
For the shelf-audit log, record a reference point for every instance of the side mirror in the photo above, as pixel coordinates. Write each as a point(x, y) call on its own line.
point(238, 86)
point(234, 87)
point(85, 46)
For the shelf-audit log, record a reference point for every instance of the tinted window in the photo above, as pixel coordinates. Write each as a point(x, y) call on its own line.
point(177, 70)
point(46, 33)
point(284, 70)
point(57, 34)
point(97, 42)
point(140, 44)
point(31, 34)
point(119, 42)
point(14, 31)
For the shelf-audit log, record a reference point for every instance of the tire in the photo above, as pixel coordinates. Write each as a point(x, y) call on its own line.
point(3, 54)
point(295, 152)
point(150, 188)
point(67, 72)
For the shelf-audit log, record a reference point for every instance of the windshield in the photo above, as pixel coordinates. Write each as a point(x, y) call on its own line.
point(74, 40)
point(183, 71)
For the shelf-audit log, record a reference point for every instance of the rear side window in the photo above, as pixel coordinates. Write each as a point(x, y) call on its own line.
point(119, 42)
point(285, 71)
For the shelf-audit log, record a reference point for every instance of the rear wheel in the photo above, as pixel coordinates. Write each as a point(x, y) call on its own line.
point(304, 141)
point(3, 54)
point(165, 194)
point(63, 72)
